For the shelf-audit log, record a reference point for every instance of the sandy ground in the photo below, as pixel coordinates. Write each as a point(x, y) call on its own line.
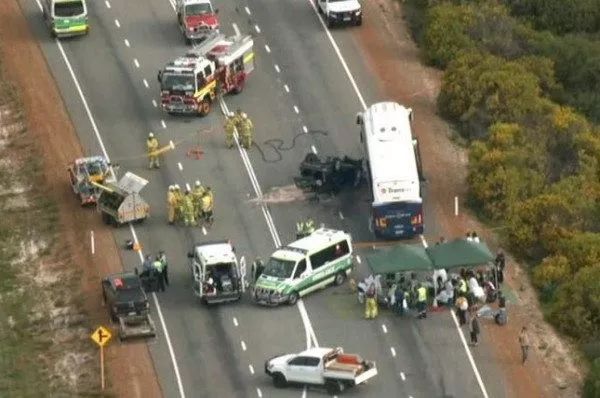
point(394, 57)
point(130, 369)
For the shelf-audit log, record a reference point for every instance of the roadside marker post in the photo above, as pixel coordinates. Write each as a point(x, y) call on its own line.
point(101, 336)
point(456, 206)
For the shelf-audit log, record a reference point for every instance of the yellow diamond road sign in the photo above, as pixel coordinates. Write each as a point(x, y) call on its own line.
point(101, 336)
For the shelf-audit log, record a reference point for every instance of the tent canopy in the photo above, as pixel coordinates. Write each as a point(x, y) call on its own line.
point(459, 253)
point(401, 258)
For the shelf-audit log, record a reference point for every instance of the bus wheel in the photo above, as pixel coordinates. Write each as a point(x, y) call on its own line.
point(204, 107)
point(340, 277)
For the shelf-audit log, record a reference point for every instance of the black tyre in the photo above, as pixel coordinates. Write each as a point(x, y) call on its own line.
point(333, 387)
point(359, 21)
point(340, 278)
point(294, 296)
point(311, 158)
point(279, 380)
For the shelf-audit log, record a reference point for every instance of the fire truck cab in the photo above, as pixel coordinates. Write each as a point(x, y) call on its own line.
point(197, 19)
point(220, 65)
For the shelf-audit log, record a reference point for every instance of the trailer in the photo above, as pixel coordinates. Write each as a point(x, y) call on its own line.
point(122, 203)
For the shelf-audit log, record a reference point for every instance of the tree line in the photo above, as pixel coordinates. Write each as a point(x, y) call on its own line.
point(522, 86)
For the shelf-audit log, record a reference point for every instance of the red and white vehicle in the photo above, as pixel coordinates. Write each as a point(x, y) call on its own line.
point(197, 19)
point(220, 65)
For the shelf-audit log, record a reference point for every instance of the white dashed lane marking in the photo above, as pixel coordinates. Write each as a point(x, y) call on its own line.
point(402, 376)
point(277, 68)
point(235, 321)
point(296, 109)
point(247, 10)
point(313, 149)
point(259, 392)
point(267, 48)
point(154, 104)
point(180, 166)
point(136, 63)
point(187, 187)
point(384, 328)
point(243, 345)
point(286, 88)
point(163, 124)
point(117, 23)
point(305, 129)
point(146, 83)
point(393, 350)
point(251, 368)
point(107, 4)
point(256, 28)
point(204, 232)
point(341, 218)
point(127, 43)
point(358, 259)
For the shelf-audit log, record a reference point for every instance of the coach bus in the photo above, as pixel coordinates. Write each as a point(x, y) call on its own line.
point(393, 169)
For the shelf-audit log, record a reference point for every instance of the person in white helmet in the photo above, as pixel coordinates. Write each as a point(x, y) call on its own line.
point(197, 194)
point(230, 126)
point(152, 146)
point(246, 131)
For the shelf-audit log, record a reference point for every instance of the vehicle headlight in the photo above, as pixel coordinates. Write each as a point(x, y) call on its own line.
point(357, 12)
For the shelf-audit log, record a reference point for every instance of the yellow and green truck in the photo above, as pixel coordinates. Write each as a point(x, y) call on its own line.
point(66, 17)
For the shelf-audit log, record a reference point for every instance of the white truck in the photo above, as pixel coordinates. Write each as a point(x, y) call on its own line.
point(338, 12)
point(320, 366)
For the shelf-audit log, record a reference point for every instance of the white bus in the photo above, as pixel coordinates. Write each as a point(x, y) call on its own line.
point(393, 169)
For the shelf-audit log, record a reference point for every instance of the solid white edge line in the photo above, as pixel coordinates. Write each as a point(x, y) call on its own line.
point(104, 152)
point(469, 355)
point(339, 55)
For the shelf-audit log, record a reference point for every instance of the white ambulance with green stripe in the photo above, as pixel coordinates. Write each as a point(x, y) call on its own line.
point(314, 262)
point(66, 17)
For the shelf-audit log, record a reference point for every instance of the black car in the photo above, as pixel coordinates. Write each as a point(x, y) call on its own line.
point(124, 296)
point(329, 175)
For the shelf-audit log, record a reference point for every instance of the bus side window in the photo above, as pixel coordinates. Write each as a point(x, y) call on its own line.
point(300, 268)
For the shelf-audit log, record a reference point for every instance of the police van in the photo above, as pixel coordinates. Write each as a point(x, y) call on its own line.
point(314, 262)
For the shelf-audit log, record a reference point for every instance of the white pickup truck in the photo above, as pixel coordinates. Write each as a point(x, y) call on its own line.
point(328, 367)
point(337, 12)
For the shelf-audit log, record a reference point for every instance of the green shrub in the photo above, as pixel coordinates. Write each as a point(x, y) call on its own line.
point(591, 388)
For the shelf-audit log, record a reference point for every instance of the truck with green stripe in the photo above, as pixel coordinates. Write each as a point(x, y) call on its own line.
point(314, 262)
point(66, 17)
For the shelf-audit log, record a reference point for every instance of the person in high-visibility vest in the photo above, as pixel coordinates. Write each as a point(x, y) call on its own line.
point(371, 309)
point(152, 146)
point(197, 194)
point(422, 301)
point(158, 268)
point(207, 205)
point(230, 126)
point(246, 131)
point(189, 217)
point(171, 204)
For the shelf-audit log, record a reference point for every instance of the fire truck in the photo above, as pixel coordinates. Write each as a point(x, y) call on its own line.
point(220, 65)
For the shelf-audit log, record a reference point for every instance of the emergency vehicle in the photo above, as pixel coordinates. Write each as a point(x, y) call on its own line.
point(197, 19)
point(220, 65)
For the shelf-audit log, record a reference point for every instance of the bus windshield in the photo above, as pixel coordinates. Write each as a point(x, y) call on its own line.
point(177, 82)
point(68, 9)
point(279, 268)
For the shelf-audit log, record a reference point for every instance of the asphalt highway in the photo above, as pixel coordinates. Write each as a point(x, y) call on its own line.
point(299, 94)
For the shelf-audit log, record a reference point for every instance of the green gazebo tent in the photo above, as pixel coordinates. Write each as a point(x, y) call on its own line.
point(459, 253)
point(401, 258)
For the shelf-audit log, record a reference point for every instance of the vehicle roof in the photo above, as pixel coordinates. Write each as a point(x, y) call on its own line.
point(215, 252)
point(316, 352)
point(297, 250)
point(124, 281)
point(390, 149)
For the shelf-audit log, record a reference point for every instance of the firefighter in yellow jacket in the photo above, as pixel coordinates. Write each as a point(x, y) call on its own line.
point(230, 126)
point(187, 209)
point(178, 202)
point(207, 205)
point(246, 131)
point(152, 146)
point(197, 194)
point(171, 204)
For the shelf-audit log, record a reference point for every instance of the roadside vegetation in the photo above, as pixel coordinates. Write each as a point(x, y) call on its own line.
point(521, 85)
point(44, 345)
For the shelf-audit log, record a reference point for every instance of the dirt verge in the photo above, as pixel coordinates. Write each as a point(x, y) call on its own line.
point(130, 368)
point(393, 56)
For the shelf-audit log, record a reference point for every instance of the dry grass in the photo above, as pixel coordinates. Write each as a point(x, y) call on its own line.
point(44, 344)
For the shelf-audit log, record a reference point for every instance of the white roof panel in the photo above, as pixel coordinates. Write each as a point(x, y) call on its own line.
point(132, 183)
point(390, 150)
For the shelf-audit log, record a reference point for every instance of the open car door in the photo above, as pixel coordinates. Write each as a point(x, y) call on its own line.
point(197, 279)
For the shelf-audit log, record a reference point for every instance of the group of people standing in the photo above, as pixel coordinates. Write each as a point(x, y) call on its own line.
point(156, 270)
point(240, 122)
point(190, 207)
